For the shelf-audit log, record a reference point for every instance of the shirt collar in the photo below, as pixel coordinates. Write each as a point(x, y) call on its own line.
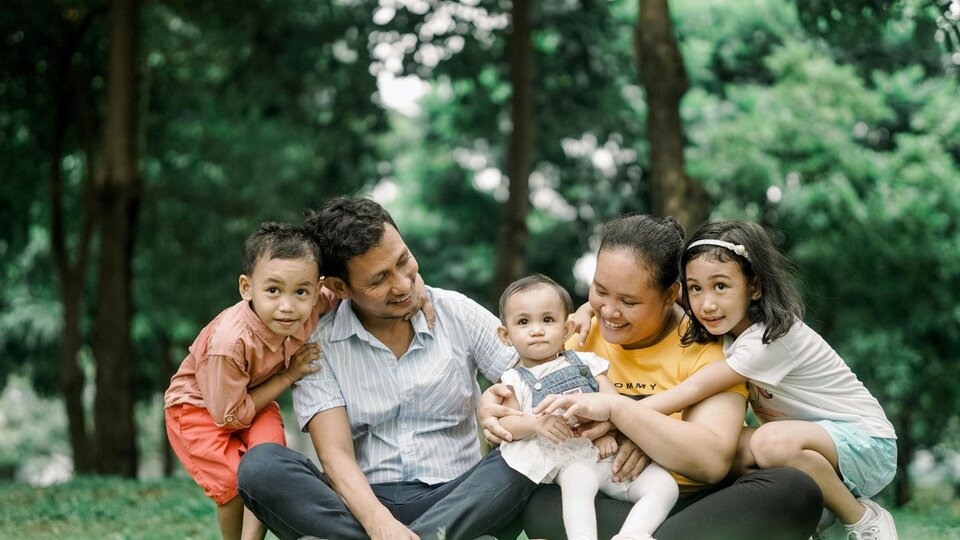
point(346, 324)
point(272, 339)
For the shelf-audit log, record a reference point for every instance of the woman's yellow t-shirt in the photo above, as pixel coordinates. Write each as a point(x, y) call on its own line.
point(638, 373)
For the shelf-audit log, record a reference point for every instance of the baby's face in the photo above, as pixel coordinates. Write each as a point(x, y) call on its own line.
point(283, 292)
point(536, 323)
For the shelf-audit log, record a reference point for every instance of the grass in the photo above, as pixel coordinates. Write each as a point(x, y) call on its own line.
point(118, 509)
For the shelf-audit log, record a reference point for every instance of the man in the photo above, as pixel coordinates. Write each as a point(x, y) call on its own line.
point(391, 412)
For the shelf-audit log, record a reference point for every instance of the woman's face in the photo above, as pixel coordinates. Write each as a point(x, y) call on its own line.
point(630, 310)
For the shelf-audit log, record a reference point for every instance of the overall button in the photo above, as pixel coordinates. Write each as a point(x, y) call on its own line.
point(538, 386)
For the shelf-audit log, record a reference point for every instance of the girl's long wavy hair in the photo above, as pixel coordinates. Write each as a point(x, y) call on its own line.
point(779, 306)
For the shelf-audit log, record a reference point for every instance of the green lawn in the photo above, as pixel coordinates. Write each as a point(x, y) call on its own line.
point(106, 508)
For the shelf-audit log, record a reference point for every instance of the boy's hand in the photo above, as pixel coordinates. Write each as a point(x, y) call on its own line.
point(606, 445)
point(581, 322)
point(300, 362)
point(425, 306)
point(553, 428)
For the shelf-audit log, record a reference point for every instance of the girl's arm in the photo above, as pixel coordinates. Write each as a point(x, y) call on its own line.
point(581, 322)
point(709, 380)
point(595, 430)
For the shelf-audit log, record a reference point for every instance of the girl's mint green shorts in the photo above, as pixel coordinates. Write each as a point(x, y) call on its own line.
point(867, 463)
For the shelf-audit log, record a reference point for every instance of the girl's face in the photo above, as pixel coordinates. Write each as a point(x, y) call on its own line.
point(720, 295)
point(630, 310)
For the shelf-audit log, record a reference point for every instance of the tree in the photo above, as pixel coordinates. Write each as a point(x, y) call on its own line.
point(118, 194)
point(512, 237)
point(672, 191)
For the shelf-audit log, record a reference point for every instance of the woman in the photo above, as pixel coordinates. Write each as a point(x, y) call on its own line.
point(637, 328)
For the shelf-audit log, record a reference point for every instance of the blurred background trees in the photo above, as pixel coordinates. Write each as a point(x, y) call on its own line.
point(837, 124)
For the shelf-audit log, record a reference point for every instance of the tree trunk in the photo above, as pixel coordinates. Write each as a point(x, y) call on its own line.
point(512, 236)
point(903, 491)
point(119, 194)
point(71, 273)
point(672, 192)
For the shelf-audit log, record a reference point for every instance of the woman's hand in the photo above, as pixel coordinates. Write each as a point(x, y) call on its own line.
point(425, 306)
point(629, 463)
point(300, 363)
point(582, 318)
point(597, 406)
point(491, 409)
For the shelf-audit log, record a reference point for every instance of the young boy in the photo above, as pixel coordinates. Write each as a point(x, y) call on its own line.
point(221, 402)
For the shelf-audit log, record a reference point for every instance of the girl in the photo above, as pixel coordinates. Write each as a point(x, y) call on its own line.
point(816, 415)
point(533, 311)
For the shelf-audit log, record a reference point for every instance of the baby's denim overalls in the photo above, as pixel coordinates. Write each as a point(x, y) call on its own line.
point(576, 375)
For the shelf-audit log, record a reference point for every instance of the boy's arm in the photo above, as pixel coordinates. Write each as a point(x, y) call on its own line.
point(709, 380)
point(330, 433)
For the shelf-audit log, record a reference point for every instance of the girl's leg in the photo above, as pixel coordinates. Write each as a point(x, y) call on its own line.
point(744, 462)
point(579, 483)
point(654, 493)
point(809, 448)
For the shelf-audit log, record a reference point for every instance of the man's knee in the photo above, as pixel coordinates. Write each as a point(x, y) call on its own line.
point(255, 465)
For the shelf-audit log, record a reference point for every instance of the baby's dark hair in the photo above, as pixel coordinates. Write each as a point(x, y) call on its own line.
point(278, 241)
point(531, 282)
point(345, 228)
point(779, 306)
point(657, 241)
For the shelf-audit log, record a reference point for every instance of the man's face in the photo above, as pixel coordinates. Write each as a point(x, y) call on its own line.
point(381, 280)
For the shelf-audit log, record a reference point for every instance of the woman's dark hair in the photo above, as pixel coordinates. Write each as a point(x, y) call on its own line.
point(278, 241)
point(779, 306)
point(654, 240)
point(345, 228)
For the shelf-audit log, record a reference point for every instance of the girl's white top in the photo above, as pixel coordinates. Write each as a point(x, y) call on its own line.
point(539, 459)
point(800, 377)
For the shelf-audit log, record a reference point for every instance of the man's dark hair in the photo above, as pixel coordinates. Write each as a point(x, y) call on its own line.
point(274, 240)
point(345, 228)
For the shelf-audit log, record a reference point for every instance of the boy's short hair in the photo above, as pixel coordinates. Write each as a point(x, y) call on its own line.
point(531, 282)
point(344, 228)
point(279, 241)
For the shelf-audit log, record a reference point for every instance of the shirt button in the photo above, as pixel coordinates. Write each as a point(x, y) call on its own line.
point(229, 418)
point(408, 399)
point(404, 425)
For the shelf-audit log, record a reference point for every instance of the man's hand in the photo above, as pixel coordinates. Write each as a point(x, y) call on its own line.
point(491, 409)
point(300, 362)
point(388, 528)
point(425, 306)
point(629, 463)
point(553, 428)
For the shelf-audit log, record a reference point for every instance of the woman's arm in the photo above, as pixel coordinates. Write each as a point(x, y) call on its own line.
point(700, 447)
point(707, 381)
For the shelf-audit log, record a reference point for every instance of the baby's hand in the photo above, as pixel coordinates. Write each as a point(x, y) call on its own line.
point(300, 362)
point(581, 322)
point(606, 445)
point(553, 428)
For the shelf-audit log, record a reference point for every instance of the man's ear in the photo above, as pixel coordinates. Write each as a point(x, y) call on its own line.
point(337, 286)
point(568, 327)
point(504, 337)
point(246, 288)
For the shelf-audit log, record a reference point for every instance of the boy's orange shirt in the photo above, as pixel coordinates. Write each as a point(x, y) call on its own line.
point(236, 351)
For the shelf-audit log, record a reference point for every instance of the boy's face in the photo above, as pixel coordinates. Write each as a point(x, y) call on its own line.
point(382, 280)
point(282, 292)
point(536, 324)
